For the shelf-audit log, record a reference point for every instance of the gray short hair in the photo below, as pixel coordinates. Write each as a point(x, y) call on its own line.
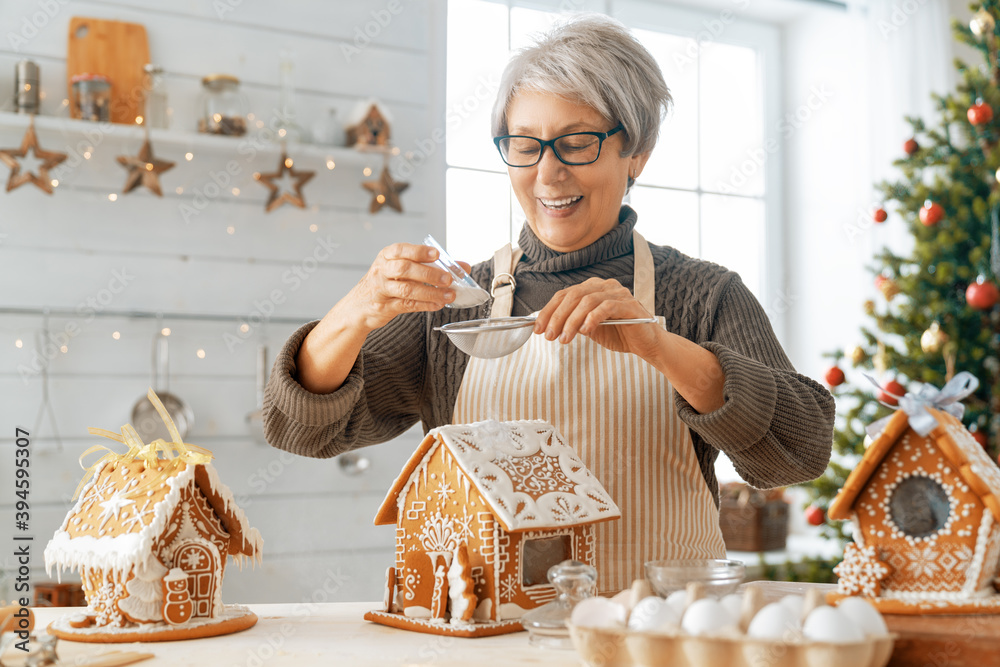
point(594, 60)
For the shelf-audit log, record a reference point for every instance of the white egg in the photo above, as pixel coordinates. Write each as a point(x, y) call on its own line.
point(598, 612)
point(624, 598)
point(774, 621)
point(827, 624)
point(795, 603)
point(865, 615)
point(733, 603)
point(653, 614)
point(678, 600)
point(707, 616)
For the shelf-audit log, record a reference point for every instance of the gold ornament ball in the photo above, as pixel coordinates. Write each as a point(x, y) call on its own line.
point(869, 307)
point(982, 23)
point(858, 355)
point(890, 288)
point(932, 340)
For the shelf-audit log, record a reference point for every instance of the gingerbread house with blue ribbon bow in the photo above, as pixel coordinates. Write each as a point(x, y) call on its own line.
point(925, 504)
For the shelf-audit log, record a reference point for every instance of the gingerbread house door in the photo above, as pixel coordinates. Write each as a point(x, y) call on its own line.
point(200, 560)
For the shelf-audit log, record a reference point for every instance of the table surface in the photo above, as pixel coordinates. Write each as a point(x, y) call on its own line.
point(302, 635)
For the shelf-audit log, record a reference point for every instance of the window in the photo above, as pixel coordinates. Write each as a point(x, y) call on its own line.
point(710, 188)
point(919, 506)
point(538, 555)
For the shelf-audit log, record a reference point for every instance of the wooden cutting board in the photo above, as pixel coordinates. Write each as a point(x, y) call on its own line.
point(116, 49)
point(952, 641)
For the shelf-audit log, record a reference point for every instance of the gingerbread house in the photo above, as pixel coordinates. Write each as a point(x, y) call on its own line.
point(138, 517)
point(926, 515)
point(368, 125)
point(481, 512)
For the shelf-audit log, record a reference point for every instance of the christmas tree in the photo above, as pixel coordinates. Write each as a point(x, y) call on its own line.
point(937, 314)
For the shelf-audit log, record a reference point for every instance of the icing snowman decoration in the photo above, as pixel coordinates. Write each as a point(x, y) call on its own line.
point(177, 605)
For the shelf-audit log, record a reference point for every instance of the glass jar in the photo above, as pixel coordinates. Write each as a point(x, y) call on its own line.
point(546, 625)
point(91, 97)
point(26, 87)
point(224, 108)
point(327, 130)
point(157, 113)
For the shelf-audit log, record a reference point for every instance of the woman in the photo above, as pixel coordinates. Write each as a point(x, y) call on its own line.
point(647, 406)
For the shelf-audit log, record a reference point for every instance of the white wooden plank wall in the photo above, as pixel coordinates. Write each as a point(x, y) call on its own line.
point(59, 251)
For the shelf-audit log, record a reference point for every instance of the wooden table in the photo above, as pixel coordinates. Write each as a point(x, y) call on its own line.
point(303, 635)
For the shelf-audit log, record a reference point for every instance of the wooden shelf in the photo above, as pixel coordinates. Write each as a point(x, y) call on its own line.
point(261, 141)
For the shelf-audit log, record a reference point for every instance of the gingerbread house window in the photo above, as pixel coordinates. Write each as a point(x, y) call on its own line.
point(919, 506)
point(416, 509)
point(542, 553)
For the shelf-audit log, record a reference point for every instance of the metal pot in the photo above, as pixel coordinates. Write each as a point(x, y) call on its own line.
point(145, 419)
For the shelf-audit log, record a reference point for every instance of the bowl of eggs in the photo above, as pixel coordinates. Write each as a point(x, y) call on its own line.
point(718, 576)
point(690, 629)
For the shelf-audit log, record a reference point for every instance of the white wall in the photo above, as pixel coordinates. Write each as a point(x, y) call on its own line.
point(57, 251)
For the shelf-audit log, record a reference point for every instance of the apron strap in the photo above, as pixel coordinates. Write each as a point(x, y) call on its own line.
point(506, 258)
point(502, 289)
point(644, 287)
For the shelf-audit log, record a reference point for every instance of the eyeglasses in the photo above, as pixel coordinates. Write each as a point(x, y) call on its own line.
point(572, 149)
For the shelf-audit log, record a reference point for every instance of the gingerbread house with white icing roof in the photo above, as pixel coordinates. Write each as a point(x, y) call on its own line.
point(481, 512)
point(134, 522)
point(926, 515)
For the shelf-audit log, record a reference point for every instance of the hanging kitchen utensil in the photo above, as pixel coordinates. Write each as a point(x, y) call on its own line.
point(255, 419)
point(145, 419)
point(499, 336)
point(46, 406)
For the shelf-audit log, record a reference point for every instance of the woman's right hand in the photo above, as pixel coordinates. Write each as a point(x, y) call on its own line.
point(400, 281)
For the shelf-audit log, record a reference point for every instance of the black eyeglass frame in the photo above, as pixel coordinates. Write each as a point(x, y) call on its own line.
point(601, 136)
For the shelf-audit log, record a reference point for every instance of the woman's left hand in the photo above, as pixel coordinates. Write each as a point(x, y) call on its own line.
point(581, 308)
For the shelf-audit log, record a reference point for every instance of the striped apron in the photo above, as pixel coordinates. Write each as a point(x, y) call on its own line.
point(618, 412)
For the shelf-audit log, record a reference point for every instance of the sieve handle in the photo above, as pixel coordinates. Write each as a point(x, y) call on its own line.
point(639, 320)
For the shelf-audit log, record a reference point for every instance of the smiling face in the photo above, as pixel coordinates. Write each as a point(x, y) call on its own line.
point(568, 207)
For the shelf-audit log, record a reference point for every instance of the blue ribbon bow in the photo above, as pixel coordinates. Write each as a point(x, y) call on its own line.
point(922, 396)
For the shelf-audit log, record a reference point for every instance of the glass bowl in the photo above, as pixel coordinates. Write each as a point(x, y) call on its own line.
point(720, 577)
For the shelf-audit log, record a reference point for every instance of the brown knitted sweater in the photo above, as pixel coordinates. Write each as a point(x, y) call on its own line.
point(776, 425)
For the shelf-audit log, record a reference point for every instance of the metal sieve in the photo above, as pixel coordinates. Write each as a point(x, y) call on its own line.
point(499, 336)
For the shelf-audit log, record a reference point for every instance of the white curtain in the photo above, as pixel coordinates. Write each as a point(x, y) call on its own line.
point(903, 52)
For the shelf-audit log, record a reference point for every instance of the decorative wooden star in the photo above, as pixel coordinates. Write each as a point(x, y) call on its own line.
point(144, 169)
point(279, 197)
point(49, 160)
point(385, 191)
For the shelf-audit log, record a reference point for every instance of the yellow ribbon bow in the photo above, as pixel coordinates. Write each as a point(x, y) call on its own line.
point(159, 453)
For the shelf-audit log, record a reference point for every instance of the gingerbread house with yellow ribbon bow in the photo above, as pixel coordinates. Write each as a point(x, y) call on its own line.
point(141, 515)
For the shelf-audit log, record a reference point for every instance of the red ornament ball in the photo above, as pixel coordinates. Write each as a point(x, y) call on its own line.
point(982, 296)
point(815, 516)
point(891, 387)
point(834, 376)
point(880, 215)
point(931, 213)
point(981, 438)
point(910, 146)
point(980, 113)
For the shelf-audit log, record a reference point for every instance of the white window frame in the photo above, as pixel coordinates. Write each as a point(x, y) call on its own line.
point(726, 27)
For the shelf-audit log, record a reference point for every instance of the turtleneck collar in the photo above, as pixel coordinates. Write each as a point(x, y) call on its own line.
point(615, 243)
